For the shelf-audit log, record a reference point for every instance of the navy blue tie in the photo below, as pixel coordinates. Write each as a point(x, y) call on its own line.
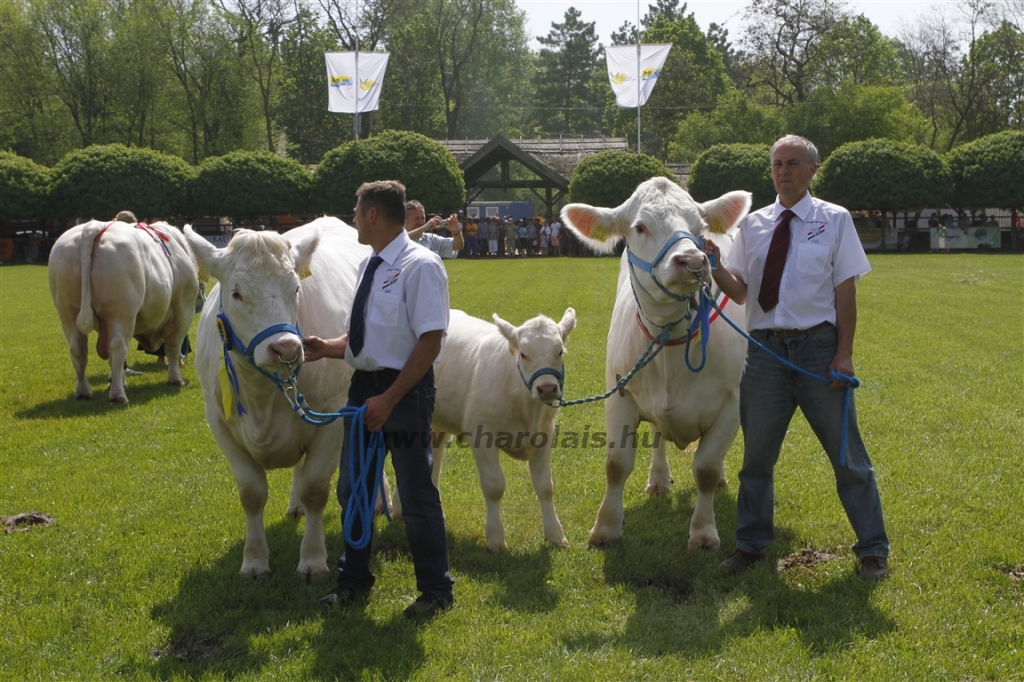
point(357, 328)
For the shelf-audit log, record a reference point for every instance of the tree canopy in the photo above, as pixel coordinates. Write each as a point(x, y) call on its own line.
point(989, 173)
point(727, 167)
point(608, 178)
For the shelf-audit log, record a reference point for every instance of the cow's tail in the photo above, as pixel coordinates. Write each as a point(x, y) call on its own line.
point(86, 321)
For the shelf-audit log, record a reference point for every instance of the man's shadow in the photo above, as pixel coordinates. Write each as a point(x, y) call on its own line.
point(222, 623)
point(678, 591)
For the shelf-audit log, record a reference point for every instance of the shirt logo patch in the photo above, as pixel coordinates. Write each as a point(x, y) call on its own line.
point(815, 231)
point(390, 277)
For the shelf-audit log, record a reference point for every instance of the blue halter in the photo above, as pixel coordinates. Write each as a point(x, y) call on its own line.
point(232, 342)
point(637, 262)
point(560, 375)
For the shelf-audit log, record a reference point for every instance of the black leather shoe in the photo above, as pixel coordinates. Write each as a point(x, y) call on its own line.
point(427, 606)
point(874, 568)
point(343, 596)
point(740, 561)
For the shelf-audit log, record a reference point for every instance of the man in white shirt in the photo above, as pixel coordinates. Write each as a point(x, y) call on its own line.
point(800, 259)
point(392, 348)
point(422, 231)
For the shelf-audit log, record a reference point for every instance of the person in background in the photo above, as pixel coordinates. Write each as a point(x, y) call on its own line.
point(395, 333)
point(419, 229)
point(799, 260)
point(511, 236)
point(472, 248)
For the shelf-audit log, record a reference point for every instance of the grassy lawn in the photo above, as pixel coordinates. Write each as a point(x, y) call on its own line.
point(138, 576)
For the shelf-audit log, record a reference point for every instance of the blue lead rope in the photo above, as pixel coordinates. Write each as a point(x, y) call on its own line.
point(362, 497)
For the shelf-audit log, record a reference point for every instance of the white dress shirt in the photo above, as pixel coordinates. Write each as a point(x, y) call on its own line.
point(824, 251)
point(408, 298)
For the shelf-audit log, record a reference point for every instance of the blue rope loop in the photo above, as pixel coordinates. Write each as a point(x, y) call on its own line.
point(369, 450)
point(853, 382)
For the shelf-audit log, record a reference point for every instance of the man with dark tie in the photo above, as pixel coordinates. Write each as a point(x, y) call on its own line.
point(801, 258)
point(398, 320)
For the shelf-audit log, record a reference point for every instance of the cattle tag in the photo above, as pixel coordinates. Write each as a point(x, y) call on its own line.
point(203, 275)
point(306, 272)
point(598, 234)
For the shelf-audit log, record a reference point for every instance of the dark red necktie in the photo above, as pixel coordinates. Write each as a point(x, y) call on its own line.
point(768, 296)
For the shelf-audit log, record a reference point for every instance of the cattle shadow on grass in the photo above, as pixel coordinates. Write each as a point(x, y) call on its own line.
point(221, 624)
point(139, 393)
point(683, 604)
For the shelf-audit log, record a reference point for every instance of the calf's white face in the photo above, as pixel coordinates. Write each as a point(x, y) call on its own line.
point(538, 344)
point(259, 288)
point(659, 209)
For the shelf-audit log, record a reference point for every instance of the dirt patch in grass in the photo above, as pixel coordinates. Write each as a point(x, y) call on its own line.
point(1016, 574)
point(808, 557)
point(194, 650)
point(25, 521)
point(679, 591)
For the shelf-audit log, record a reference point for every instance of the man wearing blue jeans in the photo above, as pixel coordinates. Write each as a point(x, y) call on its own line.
point(802, 258)
point(398, 320)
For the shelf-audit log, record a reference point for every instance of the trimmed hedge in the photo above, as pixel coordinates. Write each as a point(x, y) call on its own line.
point(98, 181)
point(251, 184)
point(608, 178)
point(24, 188)
point(883, 174)
point(426, 168)
point(727, 167)
point(989, 172)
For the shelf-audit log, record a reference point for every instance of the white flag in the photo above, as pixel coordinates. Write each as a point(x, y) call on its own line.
point(349, 78)
point(622, 72)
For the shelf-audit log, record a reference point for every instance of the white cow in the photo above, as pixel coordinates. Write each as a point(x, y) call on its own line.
point(258, 288)
point(483, 400)
point(681, 406)
point(123, 280)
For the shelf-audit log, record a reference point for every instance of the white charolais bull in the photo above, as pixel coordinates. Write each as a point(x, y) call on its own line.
point(123, 280)
point(682, 406)
point(259, 288)
point(496, 384)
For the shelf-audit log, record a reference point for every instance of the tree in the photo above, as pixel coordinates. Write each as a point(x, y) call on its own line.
point(855, 51)
point(251, 184)
point(733, 60)
point(565, 77)
point(24, 188)
point(426, 168)
point(100, 180)
point(412, 85)
point(738, 119)
point(784, 42)
point(989, 172)
point(727, 167)
point(608, 178)
point(856, 112)
point(302, 112)
point(884, 175)
point(260, 26)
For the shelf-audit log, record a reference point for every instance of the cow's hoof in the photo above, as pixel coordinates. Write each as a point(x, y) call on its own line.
point(497, 547)
point(561, 544)
point(709, 543)
point(83, 396)
point(118, 400)
point(602, 539)
point(179, 383)
point(296, 512)
point(659, 488)
point(314, 575)
point(256, 574)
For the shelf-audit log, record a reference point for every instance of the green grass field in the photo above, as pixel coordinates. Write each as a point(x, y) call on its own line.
point(138, 576)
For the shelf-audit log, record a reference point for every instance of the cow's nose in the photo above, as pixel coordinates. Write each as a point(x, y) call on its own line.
point(692, 261)
point(548, 392)
point(287, 349)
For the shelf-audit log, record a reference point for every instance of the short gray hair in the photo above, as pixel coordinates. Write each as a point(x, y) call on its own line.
point(809, 149)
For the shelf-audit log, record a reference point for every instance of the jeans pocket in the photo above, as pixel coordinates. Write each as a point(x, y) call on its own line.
point(826, 337)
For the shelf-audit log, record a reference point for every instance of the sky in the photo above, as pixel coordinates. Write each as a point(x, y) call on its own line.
point(889, 15)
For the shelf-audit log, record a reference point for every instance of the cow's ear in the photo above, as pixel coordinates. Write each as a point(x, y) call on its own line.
point(568, 323)
point(726, 211)
point(207, 256)
point(508, 331)
point(302, 253)
point(596, 226)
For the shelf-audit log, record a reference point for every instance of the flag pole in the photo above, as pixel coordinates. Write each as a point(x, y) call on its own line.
point(355, 118)
point(637, 76)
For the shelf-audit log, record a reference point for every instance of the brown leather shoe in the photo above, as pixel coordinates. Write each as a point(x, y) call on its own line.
point(740, 561)
point(874, 568)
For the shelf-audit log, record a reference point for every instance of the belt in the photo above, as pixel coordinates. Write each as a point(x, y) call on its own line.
point(791, 333)
point(377, 377)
